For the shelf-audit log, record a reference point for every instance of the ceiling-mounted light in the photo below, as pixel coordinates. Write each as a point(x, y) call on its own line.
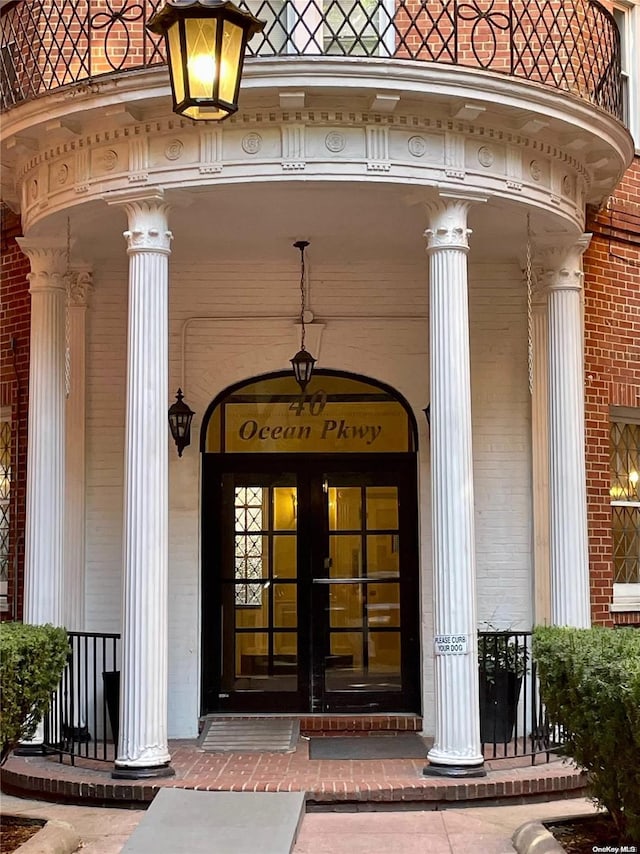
point(205, 42)
point(303, 362)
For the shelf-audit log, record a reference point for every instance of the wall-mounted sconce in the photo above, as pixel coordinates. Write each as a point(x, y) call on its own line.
point(180, 422)
point(427, 415)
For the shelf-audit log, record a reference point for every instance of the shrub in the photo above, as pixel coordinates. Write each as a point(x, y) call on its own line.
point(32, 659)
point(590, 684)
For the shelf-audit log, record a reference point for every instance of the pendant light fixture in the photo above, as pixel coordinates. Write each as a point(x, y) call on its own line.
point(205, 43)
point(303, 362)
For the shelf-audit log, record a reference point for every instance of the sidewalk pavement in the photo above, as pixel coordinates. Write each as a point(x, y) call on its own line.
point(473, 830)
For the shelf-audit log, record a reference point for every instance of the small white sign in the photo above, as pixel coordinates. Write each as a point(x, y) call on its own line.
point(451, 644)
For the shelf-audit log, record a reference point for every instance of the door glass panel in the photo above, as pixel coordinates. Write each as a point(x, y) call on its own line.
point(345, 551)
point(256, 614)
point(346, 606)
point(343, 665)
point(285, 606)
point(345, 508)
point(284, 557)
point(285, 508)
point(252, 652)
point(383, 555)
point(383, 605)
point(384, 660)
point(382, 507)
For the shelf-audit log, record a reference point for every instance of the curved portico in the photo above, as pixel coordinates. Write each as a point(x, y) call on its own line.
point(362, 156)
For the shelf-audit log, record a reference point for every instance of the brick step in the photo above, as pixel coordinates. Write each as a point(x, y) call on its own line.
point(336, 724)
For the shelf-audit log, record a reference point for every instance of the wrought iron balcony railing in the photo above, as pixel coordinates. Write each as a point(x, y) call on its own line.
point(571, 45)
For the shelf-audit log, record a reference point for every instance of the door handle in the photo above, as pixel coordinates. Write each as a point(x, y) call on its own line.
point(328, 563)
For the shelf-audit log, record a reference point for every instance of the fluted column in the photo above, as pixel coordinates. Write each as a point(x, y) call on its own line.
point(456, 750)
point(567, 475)
point(142, 748)
point(44, 532)
point(78, 290)
point(540, 457)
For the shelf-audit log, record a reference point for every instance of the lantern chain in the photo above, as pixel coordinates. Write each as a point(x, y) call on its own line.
point(302, 245)
point(67, 319)
point(529, 275)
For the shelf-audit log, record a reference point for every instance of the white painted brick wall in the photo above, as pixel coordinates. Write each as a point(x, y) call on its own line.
point(375, 324)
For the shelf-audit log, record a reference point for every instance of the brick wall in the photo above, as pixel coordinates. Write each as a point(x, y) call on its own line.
point(612, 365)
point(14, 389)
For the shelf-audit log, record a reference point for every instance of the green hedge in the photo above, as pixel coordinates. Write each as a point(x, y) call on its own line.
point(32, 659)
point(590, 684)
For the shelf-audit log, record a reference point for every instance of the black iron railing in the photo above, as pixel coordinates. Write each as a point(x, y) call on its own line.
point(83, 713)
point(513, 719)
point(572, 45)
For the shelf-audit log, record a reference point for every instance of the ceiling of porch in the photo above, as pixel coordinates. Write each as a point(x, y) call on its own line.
point(345, 222)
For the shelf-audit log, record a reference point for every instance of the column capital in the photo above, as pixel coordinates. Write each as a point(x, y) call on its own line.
point(448, 221)
point(147, 213)
point(562, 265)
point(80, 286)
point(48, 260)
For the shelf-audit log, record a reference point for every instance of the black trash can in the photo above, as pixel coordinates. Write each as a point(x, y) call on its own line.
point(111, 681)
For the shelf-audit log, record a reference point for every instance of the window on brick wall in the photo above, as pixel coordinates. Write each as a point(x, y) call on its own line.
point(627, 16)
point(5, 503)
point(625, 507)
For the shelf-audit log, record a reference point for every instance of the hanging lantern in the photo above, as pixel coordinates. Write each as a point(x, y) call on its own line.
point(205, 42)
point(180, 422)
point(303, 362)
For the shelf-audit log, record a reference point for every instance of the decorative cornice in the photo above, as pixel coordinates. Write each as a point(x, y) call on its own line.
point(138, 158)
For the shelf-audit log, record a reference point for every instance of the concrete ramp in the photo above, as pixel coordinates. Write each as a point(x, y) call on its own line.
point(182, 821)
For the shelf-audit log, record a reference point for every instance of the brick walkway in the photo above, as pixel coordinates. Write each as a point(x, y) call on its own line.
point(390, 781)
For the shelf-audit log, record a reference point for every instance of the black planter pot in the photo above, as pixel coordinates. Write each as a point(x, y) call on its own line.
point(498, 706)
point(111, 680)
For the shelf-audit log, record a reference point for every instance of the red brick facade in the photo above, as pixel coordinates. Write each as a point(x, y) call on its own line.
point(612, 366)
point(14, 391)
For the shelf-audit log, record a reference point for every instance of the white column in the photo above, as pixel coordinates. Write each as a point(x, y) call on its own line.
point(78, 290)
point(44, 532)
point(142, 748)
point(456, 750)
point(570, 604)
point(540, 458)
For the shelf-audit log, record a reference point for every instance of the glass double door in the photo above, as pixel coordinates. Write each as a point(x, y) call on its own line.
point(311, 600)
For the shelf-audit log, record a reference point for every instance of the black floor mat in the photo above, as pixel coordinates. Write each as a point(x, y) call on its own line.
point(405, 746)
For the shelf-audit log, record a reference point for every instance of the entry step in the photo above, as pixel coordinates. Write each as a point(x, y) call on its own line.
point(183, 821)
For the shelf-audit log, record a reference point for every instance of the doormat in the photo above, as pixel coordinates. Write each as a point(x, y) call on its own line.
point(405, 746)
point(250, 735)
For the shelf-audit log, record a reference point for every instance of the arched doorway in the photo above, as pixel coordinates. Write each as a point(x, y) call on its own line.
point(309, 548)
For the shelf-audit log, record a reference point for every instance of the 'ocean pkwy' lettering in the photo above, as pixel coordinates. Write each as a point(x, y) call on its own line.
point(329, 428)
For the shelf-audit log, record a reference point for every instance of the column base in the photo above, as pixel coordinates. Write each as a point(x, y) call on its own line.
point(433, 769)
point(142, 772)
point(27, 749)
